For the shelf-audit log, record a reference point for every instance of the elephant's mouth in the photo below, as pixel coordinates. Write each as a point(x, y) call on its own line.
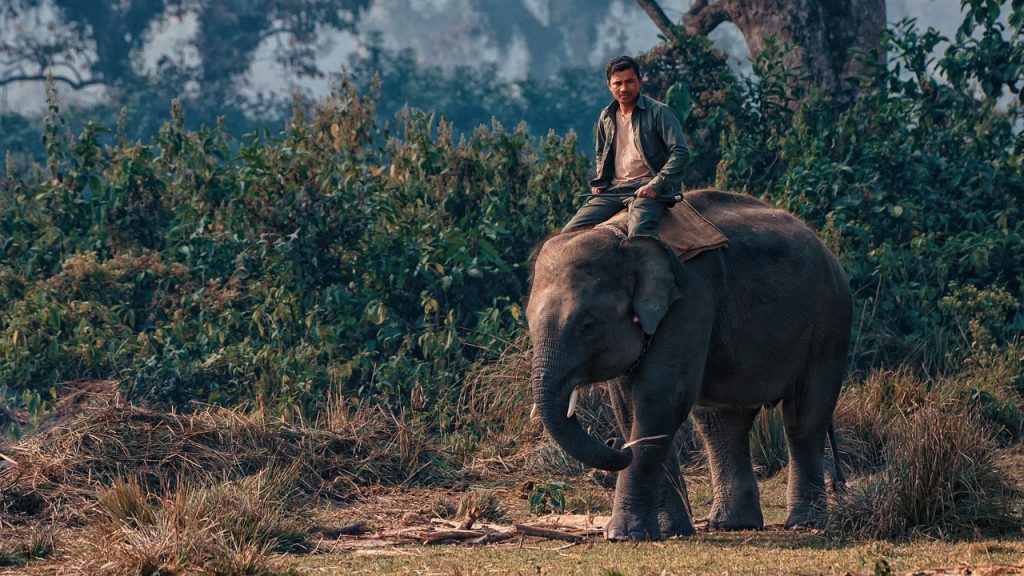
point(558, 404)
point(574, 397)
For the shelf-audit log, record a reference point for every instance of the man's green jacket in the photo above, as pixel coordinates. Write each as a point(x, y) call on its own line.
point(657, 135)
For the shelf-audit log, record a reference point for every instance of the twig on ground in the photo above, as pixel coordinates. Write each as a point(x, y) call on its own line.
point(495, 537)
point(471, 516)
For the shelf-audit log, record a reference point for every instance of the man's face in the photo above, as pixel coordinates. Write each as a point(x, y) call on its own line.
point(625, 86)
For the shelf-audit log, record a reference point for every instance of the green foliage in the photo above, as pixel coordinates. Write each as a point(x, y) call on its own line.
point(548, 497)
point(917, 186)
point(378, 259)
point(695, 79)
point(470, 96)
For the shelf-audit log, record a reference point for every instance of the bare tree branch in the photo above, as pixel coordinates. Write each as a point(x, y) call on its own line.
point(703, 17)
point(75, 84)
point(654, 10)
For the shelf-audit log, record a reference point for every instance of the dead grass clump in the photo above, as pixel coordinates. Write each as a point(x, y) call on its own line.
point(941, 477)
point(38, 545)
point(499, 397)
point(483, 504)
point(218, 529)
point(444, 507)
point(58, 471)
point(866, 411)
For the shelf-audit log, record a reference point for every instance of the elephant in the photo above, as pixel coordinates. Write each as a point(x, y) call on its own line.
point(763, 321)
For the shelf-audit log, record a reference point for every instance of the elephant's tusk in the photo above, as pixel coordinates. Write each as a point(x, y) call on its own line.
point(533, 412)
point(572, 402)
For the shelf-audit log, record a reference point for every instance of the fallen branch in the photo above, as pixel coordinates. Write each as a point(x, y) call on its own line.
point(442, 535)
point(546, 533)
point(495, 537)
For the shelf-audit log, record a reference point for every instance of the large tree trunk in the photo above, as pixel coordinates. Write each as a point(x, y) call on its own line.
point(829, 37)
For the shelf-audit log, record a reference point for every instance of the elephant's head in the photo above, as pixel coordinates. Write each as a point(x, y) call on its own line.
point(592, 299)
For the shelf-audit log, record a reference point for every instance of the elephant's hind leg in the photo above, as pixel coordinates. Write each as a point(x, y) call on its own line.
point(805, 498)
point(737, 500)
point(807, 416)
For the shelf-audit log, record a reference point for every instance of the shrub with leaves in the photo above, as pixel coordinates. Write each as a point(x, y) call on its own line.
point(379, 257)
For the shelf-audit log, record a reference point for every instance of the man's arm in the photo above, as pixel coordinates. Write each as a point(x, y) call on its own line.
point(670, 177)
point(596, 185)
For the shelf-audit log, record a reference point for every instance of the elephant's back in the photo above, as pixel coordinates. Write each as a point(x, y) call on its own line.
point(755, 228)
point(732, 211)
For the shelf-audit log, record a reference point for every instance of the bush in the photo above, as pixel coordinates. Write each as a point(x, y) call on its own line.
point(380, 259)
point(385, 256)
point(916, 189)
point(942, 477)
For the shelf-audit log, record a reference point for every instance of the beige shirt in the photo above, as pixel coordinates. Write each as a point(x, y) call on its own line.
point(629, 163)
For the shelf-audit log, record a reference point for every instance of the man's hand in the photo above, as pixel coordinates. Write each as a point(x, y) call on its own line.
point(646, 192)
point(595, 191)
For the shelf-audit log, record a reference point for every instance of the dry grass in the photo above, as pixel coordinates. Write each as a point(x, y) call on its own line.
point(59, 471)
point(768, 451)
point(37, 545)
point(227, 528)
point(942, 476)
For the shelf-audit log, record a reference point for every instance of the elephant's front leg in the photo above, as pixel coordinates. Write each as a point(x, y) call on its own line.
point(674, 518)
point(640, 488)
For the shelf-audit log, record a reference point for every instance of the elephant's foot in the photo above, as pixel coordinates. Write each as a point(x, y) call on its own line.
point(739, 514)
point(634, 527)
point(675, 526)
point(812, 515)
point(673, 515)
point(748, 520)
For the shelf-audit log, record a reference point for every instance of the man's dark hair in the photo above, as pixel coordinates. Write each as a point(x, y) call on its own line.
point(620, 63)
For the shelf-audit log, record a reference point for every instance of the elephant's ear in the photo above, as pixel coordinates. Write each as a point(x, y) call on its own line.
point(655, 287)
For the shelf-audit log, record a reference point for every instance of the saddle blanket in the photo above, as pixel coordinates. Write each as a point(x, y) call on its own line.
point(682, 228)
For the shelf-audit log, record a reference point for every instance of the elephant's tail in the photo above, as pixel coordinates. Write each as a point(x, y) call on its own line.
point(838, 479)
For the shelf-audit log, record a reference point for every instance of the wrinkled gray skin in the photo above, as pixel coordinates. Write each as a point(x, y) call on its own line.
point(763, 321)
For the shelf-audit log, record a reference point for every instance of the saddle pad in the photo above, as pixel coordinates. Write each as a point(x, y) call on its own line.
point(682, 228)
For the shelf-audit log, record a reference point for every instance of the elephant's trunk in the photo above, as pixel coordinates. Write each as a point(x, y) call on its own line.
point(552, 387)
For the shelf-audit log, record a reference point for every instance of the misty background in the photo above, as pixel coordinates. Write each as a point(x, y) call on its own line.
point(446, 34)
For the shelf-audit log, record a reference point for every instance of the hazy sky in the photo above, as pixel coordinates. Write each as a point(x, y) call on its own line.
point(435, 28)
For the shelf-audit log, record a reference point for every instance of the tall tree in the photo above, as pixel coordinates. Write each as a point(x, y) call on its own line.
point(830, 40)
point(90, 42)
point(564, 33)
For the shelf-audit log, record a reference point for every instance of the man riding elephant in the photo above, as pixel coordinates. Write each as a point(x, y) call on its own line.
point(640, 155)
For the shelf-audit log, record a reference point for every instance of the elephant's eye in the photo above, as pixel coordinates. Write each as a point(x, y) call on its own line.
point(587, 328)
